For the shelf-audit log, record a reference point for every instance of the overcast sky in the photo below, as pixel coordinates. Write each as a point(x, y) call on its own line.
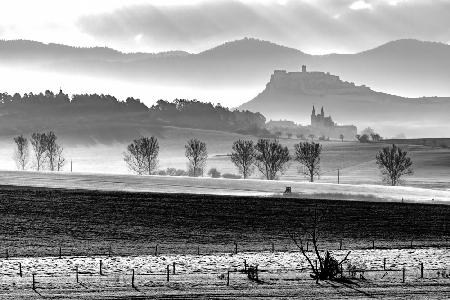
point(314, 26)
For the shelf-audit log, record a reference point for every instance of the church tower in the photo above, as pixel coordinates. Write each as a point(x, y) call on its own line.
point(322, 113)
point(313, 115)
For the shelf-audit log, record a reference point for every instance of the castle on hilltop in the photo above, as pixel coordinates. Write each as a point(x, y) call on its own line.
point(312, 83)
point(313, 86)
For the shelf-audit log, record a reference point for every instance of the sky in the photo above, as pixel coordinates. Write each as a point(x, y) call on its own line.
point(313, 26)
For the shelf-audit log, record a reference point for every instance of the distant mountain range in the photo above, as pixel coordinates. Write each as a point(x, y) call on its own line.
point(403, 67)
point(235, 72)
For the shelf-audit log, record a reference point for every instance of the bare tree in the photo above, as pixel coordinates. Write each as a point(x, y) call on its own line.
point(271, 158)
point(142, 155)
point(394, 163)
point(21, 153)
point(60, 159)
point(51, 150)
point(39, 144)
point(197, 155)
point(308, 155)
point(243, 157)
point(328, 268)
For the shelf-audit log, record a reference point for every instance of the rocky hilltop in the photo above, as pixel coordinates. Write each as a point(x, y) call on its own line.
point(313, 83)
point(291, 95)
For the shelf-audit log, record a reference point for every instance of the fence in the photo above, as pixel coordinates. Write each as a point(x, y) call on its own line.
point(284, 245)
point(63, 267)
point(132, 278)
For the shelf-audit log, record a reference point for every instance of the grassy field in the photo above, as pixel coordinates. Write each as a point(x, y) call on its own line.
point(356, 161)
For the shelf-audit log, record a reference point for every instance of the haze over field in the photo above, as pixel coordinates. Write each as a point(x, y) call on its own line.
point(170, 49)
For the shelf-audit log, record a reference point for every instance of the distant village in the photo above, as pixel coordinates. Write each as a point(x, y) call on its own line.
point(321, 127)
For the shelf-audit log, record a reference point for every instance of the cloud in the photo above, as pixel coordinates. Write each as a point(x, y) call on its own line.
point(360, 4)
point(313, 26)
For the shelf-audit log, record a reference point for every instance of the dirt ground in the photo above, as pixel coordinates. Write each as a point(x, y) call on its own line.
point(146, 232)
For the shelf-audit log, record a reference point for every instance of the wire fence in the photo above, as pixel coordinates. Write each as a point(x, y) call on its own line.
point(283, 245)
point(115, 266)
point(220, 277)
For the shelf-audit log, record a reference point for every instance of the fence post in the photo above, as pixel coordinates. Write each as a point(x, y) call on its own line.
point(340, 245)
point(109, 251)
point(307, 246)
point(235, 248)
point(34, 283)
point(256, 271)
point(156, 250)
point(132, 279)
point(60, 254)
point(403, 271)
point(6, 254)
point(384, 263)
point(411, 244)
point(273, 247)
point(198, 250)
point(76, 274)
point(228, 278)
point(168, 273)
point(316, 263)
point(373, 244)
point(245, 265)
point(421, 270)
point(101, 263)
point(20, 269)
point(173, 268)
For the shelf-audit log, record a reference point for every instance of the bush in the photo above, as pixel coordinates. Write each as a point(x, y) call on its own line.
point(231, 176)
point(172, 172)
point(214, 173)
point(363, 138)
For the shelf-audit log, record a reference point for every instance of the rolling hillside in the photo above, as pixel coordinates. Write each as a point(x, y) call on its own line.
point(291, 95)
point(404, 67)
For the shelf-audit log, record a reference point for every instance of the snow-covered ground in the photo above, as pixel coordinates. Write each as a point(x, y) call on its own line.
point(253, 187)
point(396, 259)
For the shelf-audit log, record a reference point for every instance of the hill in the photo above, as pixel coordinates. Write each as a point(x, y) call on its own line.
point(292, 95)
point(230, 73)
point(84, 118)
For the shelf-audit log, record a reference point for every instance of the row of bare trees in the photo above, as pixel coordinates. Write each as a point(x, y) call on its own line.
point(142, 154)
point(46, 154)
point(272, 159)
point(268, 156)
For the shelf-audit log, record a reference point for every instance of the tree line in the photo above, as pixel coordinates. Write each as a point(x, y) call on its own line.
point(46, 153)
point(180, 112)
point(270, 157)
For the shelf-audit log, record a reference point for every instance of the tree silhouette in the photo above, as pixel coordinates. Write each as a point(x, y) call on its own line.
point(243, 157)
point(271, 158)
point(39, 144)
point(393, 163)
point(308, 155)
point(197, 155)
point(141, 156)
point(21, 154)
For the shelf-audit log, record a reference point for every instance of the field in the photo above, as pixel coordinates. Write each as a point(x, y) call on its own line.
point(200, 233)
point(356, 161)
point(53, 224)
